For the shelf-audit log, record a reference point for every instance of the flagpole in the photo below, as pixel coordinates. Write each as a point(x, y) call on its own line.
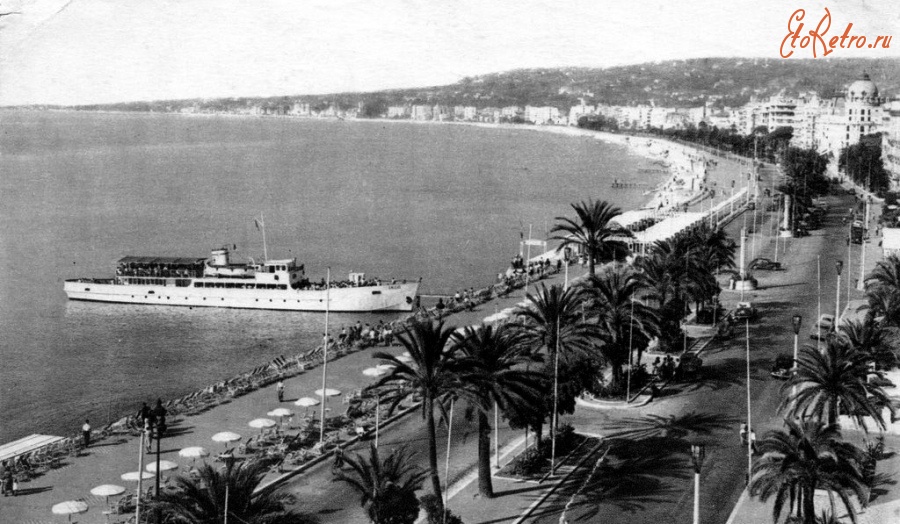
point(325, 357)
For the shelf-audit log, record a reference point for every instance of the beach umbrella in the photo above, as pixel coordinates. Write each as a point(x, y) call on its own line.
point(327, 393)
point(107, 490)
point(69, 507)
point(261, 423)
point(225, 437)
point(164, 465)
point(377, 371)
point(193, 452)
point(281, 413)
point(307, 402)
point(133, 476)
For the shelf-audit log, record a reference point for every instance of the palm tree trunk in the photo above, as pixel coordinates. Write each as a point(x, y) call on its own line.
point(485, 487)
point(432, 450)
point(591, 263)
point(809, 508)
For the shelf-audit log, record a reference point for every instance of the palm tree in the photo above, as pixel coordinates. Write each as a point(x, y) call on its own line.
point(625, 322)
point(495, 373)
point(884, 304)
point(431, 374)
point(387, 488)
point(886, 273)
point(592, 230)
point(833, 380)
point(712, 246)
point(555, 318)
point(808, 456)
point(202, 500)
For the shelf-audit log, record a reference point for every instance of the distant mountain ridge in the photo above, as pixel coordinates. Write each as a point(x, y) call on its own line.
point(672, 83)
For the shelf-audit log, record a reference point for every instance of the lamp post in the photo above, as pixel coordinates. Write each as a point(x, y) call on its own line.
point(229, 463)
point(839, 265)
point(698, 451)
point(796, 323)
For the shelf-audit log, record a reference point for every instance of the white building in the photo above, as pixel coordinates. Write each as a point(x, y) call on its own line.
point(541, 115)
point(890, 141)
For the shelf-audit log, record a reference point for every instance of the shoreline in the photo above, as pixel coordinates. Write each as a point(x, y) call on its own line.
point(648, 148)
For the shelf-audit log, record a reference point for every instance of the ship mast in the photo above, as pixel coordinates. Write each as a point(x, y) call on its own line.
point(261, 225)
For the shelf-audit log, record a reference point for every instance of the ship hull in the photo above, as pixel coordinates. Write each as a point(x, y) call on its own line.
point(388, 297)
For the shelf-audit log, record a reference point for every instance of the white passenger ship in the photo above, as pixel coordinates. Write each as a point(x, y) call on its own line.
point(217, 282)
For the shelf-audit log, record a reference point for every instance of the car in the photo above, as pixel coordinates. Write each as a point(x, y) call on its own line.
point(783, 367)
point(823, 327)
point(744, 311)
point(764, 264)
point(689, 366)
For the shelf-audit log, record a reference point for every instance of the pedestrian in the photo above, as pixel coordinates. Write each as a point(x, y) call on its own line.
point(744, 434)
point(440, 305)
point(9, 480)
point(86, 433)
point(280, 389)
point(753, 441)
point(144, 414)
point(159, 415)
point(148, 431)
point(3, 478)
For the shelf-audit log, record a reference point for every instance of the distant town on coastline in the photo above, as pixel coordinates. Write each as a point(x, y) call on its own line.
point(835, 106)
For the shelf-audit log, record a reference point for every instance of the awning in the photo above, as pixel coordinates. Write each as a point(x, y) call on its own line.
point(26, 445)
point(162, 261)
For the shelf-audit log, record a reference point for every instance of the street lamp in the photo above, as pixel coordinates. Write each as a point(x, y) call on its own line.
point(698, 451)
point(228, 458)
point(839, 265)
point(796, 323)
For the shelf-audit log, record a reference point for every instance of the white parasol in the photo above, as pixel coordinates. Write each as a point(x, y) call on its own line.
point(69, 507)
point(107, 490)
point(226, 437)
point(133, 476)
point(307, 402)
point(193, 452)
point(164, 465)
point(327, 393)
point(375, 372)
point(280, 412)
point(261, 423)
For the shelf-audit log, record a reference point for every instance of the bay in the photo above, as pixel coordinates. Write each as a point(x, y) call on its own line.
point(446, 203)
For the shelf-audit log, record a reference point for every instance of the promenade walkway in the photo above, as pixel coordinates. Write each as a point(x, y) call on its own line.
point(106, 461)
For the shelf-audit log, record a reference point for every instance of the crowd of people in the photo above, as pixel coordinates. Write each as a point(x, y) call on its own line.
point(367, 335)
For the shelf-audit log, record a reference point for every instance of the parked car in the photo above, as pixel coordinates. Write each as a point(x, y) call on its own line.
point(823, 327)
point(689, 366)
point(765, 264)
point(783, 367)
point(744, 311)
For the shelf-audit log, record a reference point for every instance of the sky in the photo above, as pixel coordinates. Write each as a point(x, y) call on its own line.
point(93, 51)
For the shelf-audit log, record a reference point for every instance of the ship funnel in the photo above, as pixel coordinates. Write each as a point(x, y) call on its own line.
point(219, 257)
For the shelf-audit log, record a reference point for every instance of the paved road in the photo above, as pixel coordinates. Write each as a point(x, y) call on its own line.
point(723, 391)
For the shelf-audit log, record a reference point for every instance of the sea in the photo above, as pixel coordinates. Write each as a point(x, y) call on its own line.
point(444, 203)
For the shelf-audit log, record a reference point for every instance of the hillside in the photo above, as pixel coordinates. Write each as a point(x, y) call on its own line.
point(676, 83)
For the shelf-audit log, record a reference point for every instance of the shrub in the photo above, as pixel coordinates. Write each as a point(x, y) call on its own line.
point(432, 506)
point(531, 462)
